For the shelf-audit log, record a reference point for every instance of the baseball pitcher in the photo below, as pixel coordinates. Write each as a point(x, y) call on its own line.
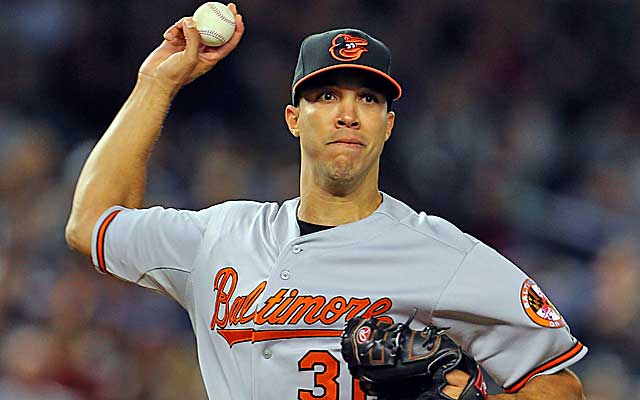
point(341, 293)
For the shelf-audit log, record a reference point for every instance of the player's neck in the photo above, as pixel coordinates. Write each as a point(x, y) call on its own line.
point(324, 205)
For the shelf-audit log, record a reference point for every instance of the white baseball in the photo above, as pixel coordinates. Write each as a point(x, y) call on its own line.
point(215, 22)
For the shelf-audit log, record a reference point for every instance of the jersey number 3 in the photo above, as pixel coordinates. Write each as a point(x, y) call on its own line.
point(326, 379)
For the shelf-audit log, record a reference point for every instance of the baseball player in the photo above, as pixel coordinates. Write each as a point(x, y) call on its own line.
point(269, 287)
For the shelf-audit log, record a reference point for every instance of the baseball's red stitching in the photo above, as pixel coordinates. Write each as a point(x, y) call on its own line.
point(219, 14)
point(213, 34)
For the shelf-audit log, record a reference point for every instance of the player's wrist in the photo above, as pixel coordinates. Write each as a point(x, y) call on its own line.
point(155, 85)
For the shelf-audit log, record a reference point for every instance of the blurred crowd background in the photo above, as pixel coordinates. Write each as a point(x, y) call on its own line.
point(520, 123)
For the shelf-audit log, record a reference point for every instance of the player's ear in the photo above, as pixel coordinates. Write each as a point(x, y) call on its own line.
point(391, 120)
point(291, 115)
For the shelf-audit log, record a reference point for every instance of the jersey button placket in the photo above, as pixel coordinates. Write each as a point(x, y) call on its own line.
point(267, 353)
point(286, 274)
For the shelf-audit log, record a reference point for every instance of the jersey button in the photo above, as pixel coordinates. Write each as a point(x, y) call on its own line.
point(267, 353)
point(285, 274)
point(296, 249)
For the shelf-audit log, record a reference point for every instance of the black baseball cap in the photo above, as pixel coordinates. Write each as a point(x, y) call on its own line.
point(344, 48)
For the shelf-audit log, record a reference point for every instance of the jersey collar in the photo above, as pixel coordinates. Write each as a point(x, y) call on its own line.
point(287, 232)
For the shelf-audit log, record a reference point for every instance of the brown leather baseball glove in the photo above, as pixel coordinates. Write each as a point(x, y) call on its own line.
point(395, 362)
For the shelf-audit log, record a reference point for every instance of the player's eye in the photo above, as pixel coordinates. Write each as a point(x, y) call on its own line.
point(370, 98)
point(326, 96)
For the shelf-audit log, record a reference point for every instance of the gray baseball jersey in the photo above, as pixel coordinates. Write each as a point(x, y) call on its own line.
point(268, 305)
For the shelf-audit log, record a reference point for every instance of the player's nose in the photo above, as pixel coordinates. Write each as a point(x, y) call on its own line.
point(347, 116)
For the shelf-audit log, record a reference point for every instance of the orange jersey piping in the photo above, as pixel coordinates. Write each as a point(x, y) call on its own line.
point(544, 367)
point(100, 240)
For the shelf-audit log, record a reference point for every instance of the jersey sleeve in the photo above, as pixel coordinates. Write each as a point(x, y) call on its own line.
point(501, 316)
point(153, 247)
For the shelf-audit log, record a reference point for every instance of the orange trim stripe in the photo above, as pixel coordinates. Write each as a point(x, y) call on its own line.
point(261, 336)
point(357, 66)
point(100, 241)
point(233, 336)
point(544, 367)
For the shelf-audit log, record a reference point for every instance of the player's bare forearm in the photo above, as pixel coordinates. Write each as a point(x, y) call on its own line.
point(115, 172)
point(563, 385)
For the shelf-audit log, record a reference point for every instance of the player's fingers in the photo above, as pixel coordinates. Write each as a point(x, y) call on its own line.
point(192, 36)
point(178, 43)
point(235, 39)
point(174, 33)
point(233, 8)
point(239, 31)
point(457, 378)
point(452, 391)
point(169, 34)
point(175, 30)
point(457, 381)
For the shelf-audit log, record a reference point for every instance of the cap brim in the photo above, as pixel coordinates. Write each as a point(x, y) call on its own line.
point(394, 84)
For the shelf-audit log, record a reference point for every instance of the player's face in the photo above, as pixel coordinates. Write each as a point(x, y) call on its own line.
point(342, 125)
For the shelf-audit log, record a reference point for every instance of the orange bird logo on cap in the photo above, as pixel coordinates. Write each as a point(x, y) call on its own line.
point(346, 47)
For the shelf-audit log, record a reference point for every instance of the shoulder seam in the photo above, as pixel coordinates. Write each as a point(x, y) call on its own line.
point(218, 228)
point(453, 275)
point(401, 222)
point(268, 222)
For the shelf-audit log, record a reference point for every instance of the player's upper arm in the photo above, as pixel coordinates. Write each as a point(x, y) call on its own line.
point(154, 247)
point(505, 320)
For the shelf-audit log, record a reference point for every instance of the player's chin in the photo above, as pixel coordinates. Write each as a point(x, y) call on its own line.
point(339, 176)
point(344, 170)
point(344, 162)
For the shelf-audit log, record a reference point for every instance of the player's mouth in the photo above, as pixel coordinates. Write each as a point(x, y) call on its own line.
point(350, 142)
